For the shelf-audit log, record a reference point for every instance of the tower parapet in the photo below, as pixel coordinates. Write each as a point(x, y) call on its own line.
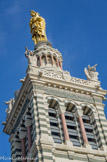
point(45, 56)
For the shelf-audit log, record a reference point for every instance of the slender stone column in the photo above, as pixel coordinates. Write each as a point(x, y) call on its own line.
point(52, 59)
point(57, 62)
point(22, 135)
point(28, 123)
point(23, 149)
point(85, 139)
point(66, 135)
point(64, 125)
point(83, 130)
point(40, 60)
point(29, 137)
point(61, 64)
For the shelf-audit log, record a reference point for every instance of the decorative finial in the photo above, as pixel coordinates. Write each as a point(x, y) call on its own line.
point(37, 27)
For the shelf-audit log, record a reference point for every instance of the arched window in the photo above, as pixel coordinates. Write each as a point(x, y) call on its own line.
point(89, 127)
point(54, 122)
point(55, 62)
point(38, 61)
point(43, 60)
point(72, 124)
point(49, 59)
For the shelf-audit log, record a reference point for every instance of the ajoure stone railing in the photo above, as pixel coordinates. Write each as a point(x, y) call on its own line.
point(53, 75)
point(81, 81)
point(60, 76)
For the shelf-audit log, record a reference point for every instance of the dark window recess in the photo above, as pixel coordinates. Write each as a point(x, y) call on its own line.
point(32, 134)
point(90, 132)
point(16, 150)
point(26, 144)
point(54, 125)
point(72, 128)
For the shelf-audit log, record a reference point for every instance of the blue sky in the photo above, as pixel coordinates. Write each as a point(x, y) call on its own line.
point(77, 28)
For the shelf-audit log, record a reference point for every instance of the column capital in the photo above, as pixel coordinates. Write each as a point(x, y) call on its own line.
point(79, 112)
point(22, 133)
point(28, 122)
point(62, 109)
point(95, 115)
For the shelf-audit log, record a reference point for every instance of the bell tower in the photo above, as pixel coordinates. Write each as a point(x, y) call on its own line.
point(55, 117)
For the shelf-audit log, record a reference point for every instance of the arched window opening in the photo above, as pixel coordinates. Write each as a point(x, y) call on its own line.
point(89, 127)
point(54, 124)
point(43, 60)
point(72, 124)
point(38, 61)
point(55, 62)
point(49, 60)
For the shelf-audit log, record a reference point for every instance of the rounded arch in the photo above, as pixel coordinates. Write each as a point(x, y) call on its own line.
point(43, 59)
point(43, 55)
point(88, 109)
point(54, 55)
point(71, 105)
point(38, 61)
point(48, 53)
point(55, 60)
point(53, 102)
point(52, 97)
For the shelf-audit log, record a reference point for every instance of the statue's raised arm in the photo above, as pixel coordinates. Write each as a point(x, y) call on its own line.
point(91, 73)
point(37, 27)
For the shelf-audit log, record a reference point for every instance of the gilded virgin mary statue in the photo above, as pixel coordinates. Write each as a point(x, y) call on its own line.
point(37, 27)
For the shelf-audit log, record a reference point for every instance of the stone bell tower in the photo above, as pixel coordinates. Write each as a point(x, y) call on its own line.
point(55, 117)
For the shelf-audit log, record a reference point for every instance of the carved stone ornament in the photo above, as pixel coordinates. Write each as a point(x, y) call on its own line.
point(66, 76)
point(91, 73)
point(10, 105)
point(32, 59)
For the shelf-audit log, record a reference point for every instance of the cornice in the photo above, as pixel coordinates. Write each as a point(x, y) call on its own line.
point(87, 88)
point(10, 121)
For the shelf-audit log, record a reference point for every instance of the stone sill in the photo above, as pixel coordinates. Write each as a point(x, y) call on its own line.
point(81, 150)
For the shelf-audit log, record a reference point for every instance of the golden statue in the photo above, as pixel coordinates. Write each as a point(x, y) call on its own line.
point(37, 27)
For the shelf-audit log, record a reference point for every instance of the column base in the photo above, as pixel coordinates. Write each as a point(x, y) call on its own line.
point(87, 146)
point(68, 143)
